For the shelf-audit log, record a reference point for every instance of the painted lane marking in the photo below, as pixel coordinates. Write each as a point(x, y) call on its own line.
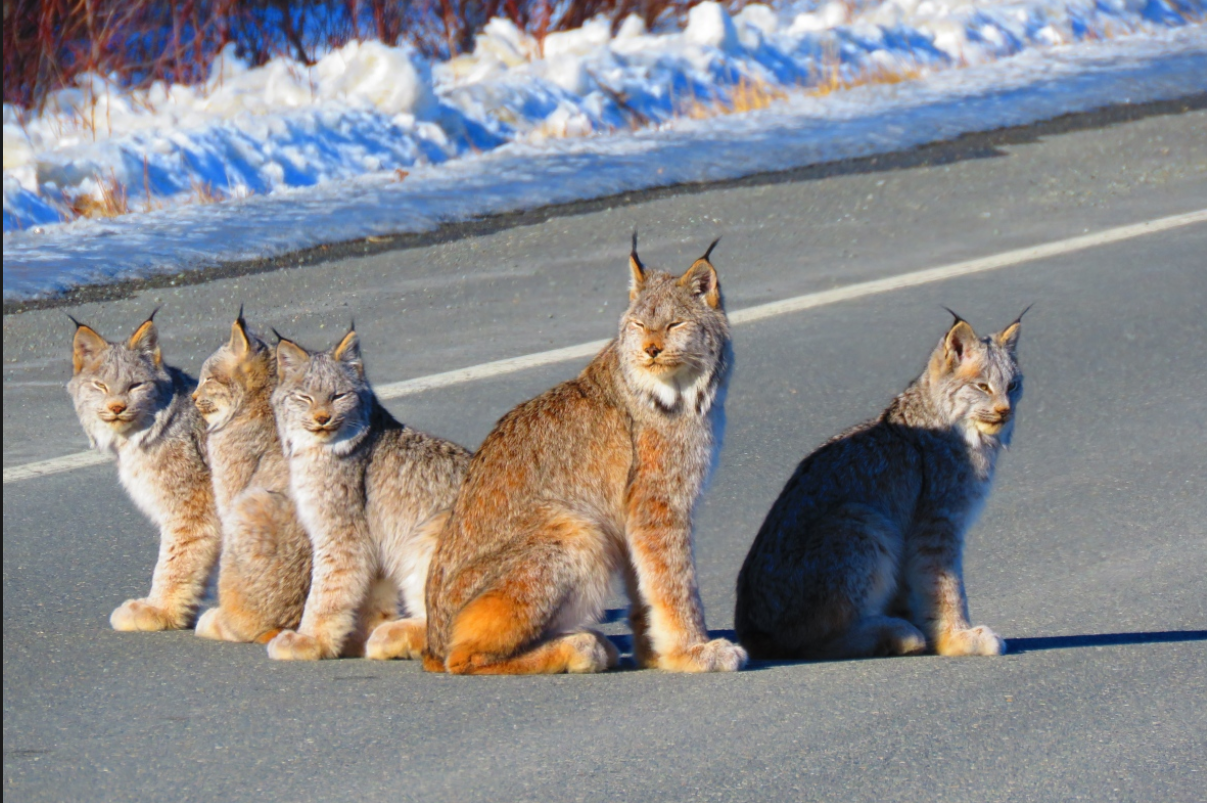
point(410, 387)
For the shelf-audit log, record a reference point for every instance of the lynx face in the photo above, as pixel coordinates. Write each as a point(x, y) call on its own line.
point(235, 372)
point(978, 381)
point(672, 337)
point(323, 397)
point(118, 388)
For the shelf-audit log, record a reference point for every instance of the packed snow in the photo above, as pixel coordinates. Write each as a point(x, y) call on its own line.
point(373, 140)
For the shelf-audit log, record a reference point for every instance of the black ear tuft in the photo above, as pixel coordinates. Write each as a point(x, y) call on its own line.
point(711, 246)
point(956, 315)
point(1019, 319)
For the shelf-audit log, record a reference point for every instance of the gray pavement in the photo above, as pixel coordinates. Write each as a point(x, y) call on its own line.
point(1089, 559)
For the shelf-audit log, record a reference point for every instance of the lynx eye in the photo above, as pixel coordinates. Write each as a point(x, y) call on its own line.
point(305, 398)
point(135, 386)
point(101, 386)
point(637, 325)
point(339, 396)
point(984, 387)
point(675, 324)
point(1013, 386)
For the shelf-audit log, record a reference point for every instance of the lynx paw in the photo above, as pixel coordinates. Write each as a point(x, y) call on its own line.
point(138, 614)
point(591, 652)
point(973, 641)
point(289, 645)
point(210, 626)
point(718, 655)
point(402, 638)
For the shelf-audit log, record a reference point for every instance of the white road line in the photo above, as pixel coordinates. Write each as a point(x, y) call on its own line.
point(473, 373)
point(54, 466)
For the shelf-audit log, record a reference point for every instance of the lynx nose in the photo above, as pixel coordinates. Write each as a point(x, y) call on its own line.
point(653, 350)
point(322, 417)
point(1003, 412)
point(116, 407)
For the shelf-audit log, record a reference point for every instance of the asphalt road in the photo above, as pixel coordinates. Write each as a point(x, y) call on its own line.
point(1090, 557)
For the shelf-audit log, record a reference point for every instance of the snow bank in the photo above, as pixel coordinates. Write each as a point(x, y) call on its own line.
point(398, 127)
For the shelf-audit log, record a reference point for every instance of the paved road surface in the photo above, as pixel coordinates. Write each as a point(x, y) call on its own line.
point(1090, 557)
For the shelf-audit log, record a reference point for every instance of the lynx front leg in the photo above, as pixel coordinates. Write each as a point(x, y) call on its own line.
point(668, 601)
point(937, 601)
point(188, 549)
point(343, 570)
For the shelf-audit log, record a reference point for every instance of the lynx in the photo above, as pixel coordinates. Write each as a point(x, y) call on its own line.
point(264, 570)
point(598, 475)
point(137, 408)
point(371, 494)
point(861, 555)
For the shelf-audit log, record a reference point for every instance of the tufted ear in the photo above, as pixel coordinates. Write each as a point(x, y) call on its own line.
point(636, 271)
point(240, 342)
point(348, 352)
point(145, 340)
point(957, 345)
point(701, 279)
point(292, 359)
point(1008, 337)
point(86, 347)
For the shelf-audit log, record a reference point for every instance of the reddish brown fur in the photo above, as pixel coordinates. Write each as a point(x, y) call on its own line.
point(595, 476)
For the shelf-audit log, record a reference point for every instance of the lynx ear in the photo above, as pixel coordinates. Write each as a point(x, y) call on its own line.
point(291, 358)
point(86, 346)
point(636, 269)
point(348, 351)
point(240, 342)
point(959, 340)
point(701, 279)
point(146, 340)
point(1008, 337)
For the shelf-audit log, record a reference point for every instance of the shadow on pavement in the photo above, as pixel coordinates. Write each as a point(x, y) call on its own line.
point(1015, 646)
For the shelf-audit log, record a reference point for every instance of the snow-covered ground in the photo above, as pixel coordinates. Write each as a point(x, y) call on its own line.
point(371, 140)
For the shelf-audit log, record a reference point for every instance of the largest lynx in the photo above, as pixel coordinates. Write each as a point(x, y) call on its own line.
point(597, 475)
point(861, 554)
point(137, 408)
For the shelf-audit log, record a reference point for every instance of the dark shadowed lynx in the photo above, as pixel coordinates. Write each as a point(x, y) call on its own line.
point(264, 571)
point(371, 494)
point(862, 553)
point(137, 408)
point(597, 475)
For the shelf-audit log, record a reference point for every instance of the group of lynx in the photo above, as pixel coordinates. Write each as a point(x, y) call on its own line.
point(339, 531)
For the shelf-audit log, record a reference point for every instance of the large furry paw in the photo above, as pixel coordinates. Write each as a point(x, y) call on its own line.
point(973, 641)
point(140, 615)
point(289, 645)
point(211, 626)
point(402, 638)
point(591, 652)
point(718, 655)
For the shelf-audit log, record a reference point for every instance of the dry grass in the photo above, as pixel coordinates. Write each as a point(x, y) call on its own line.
point(111, 200)
point(202, 192)
point(746, 96)
point(830, 79)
